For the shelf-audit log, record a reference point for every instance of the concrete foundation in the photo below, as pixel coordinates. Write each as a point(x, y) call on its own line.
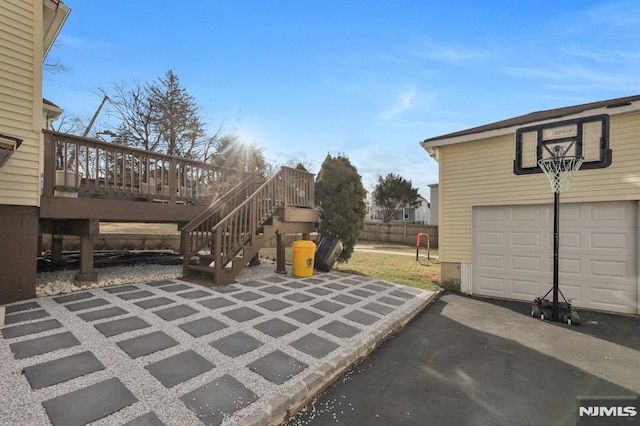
point(18, 252)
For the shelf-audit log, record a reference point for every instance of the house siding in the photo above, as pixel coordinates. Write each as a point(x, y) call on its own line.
point(480, 173)
point(21, 99)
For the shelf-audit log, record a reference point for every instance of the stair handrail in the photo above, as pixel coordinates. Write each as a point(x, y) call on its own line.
point(197, 234)
point(222, 201)
point(236, 228)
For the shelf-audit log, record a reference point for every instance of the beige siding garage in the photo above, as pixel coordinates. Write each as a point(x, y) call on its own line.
point(513, 253)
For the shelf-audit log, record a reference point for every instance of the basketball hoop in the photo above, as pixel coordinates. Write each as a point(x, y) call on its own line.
point(560, 171)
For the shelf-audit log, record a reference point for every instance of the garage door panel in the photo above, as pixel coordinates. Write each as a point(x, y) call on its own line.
point(609, 299)
point(491, 238)
point(526, 289)
point(491, 285)
point(525, 239)
point(611, 240)
point(524, 264)
point(608, 269)
point(513, 257)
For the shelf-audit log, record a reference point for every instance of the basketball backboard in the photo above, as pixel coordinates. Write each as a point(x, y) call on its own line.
point(586, 137)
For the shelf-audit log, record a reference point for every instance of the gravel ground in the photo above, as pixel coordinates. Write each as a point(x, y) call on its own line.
point(58, 282)
point(24, 406)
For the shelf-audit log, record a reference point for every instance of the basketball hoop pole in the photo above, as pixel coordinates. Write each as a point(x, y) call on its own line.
point(560, 169)
point(556, 249)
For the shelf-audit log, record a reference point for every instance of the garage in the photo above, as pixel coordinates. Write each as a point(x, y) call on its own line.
point(513, 253)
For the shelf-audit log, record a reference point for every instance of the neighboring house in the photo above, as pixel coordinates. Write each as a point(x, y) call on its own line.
point(28, 31)
point(433, 213)
point(420, 214)
point(496, 226)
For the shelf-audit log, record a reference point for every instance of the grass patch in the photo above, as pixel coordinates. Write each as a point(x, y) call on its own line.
point(138, 228)
point(396, 268)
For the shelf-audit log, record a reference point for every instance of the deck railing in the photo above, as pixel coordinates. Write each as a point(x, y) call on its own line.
point(89, 168)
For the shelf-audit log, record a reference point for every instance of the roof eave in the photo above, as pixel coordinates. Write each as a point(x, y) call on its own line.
point(428, 144)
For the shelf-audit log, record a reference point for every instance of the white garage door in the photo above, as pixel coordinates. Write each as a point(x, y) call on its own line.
point(513, 253)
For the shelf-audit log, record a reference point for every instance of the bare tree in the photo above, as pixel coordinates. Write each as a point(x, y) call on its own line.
point(161, 116)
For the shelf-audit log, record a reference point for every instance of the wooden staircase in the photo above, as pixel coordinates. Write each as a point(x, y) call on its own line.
point(236, 226)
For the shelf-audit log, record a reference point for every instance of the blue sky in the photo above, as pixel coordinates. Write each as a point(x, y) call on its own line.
point(369, 79)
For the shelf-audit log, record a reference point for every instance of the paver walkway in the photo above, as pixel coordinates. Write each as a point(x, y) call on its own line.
point(174, 353)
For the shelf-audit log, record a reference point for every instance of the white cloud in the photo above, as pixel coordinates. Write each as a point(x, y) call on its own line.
point(403, 102)
point(449, 54)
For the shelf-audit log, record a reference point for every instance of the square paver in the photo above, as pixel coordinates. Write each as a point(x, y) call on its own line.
point(21, 307)
point(403, 294)
point(25, 316)
point(236, 344)
point(328, 306)
point(87, 304)
point(361, 317)
point(351, 281)
point(274, 279)
point(175, 312)
point(319, 291)
point(378, 308)
point(147, 344)
point(119, 326)
point(274, 289)
point(43, 345)
point(304, 315)
point(340, 329)
point(121, 289)
point(89, 404)
point(105, 313)
point(247, 296)
point(216, 400)
point(73, 297)
point(384, 284)
point(154, 303)
point(313, 281)
point(203, 326)
point(374, 287)
point(335, 286)
point(299, 297)
point(242, 314)
point(216, 303)
point(275, 327)
point(30, 328)
point(148, 419)
point(277, 367)
point(362, 293)
point(346, 299)
point(226, 288)
point(390, 300)
point(62, 369)
point(253, 283)
point(295, 284)
point(160, 283)
point(175, 288)
point(195, 294)
point(135, 295)
point(179, 368)
point(274, 305)
point(314, 345)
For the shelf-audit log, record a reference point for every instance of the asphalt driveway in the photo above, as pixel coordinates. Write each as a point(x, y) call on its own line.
point(466, 361)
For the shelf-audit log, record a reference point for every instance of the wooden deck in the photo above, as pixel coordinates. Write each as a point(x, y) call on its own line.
point(87, 181)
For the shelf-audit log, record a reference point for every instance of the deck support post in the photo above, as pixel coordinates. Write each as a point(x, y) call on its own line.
point(88, 230)
point(280, 254)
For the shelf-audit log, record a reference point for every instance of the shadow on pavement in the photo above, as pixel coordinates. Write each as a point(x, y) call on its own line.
point(620, 329)
point(440, 371)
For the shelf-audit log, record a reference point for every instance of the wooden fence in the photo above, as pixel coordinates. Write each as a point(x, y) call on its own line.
point(398, 233)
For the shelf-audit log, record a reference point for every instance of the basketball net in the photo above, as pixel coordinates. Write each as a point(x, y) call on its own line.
point(560, 171)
